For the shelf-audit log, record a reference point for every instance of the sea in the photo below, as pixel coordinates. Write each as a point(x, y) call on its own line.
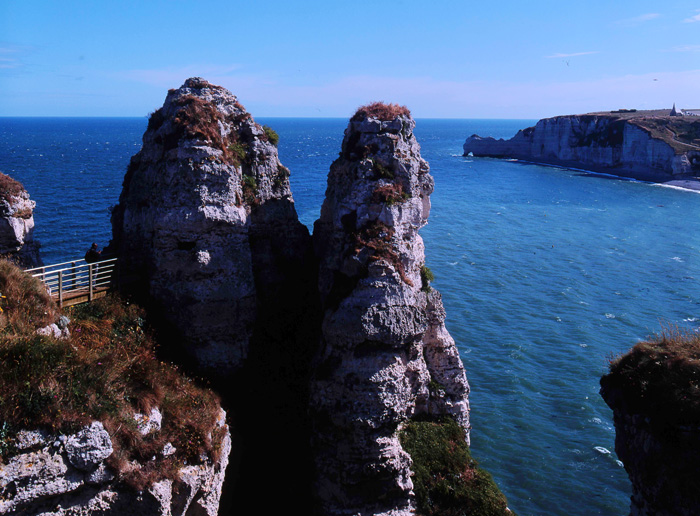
point(546, 275)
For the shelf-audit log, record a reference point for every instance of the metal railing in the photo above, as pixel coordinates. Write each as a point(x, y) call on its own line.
point(77, 281)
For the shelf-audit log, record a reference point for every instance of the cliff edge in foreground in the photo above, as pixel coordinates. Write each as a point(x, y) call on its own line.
point(642, 145)
point(654, 391)
point(91, 422)
point(386, 359)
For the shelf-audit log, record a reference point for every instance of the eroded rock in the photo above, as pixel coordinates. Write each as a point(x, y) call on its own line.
point(17, 224)
point(384, 349)
point(207, 222)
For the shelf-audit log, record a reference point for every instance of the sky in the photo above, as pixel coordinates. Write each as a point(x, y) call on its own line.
point(308, 58)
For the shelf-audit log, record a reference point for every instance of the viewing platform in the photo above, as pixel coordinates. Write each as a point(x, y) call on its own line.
point(75, 282)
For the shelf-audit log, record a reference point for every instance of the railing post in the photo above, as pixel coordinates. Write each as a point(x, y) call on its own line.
point(90, 282)
point(60, 289)
point(74, 274)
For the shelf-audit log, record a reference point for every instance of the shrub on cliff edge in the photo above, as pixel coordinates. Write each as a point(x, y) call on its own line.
point(446, 480)
point(660, 377)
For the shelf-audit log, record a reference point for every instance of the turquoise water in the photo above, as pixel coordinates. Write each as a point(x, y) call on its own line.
point(545, 274)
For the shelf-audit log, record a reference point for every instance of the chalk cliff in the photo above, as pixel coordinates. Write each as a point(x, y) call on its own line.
point(654, 148)
point(207, 222)
point(17, 224)
point(386, 357)
point(653, 391)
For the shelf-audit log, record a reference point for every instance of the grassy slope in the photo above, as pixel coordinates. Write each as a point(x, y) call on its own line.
point(106, 371)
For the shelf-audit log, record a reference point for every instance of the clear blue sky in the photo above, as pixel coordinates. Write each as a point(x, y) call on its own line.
point(456, 59)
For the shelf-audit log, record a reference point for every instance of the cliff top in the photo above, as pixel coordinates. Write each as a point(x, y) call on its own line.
point(682, 133)
point(659, 377)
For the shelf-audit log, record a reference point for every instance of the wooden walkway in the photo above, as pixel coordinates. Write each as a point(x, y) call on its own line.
point(75, 282)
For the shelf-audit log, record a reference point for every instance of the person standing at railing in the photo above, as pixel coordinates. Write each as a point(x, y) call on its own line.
point(93, 255)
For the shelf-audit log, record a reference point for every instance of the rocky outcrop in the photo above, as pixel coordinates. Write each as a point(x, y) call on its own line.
point(207, 223)
point(653, 392)
point(17, 224)
point(639, 147)
point(385, 357)
point(61, 475)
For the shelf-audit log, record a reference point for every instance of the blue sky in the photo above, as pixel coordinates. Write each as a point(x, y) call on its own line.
point(449, 59)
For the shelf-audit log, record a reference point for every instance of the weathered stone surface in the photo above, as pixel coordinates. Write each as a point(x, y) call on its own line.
point(17, 224)
point(206, 219)
point(67, 476)
point(595, 142)
point(661, 457)
point(89, 447)
point(384, 349)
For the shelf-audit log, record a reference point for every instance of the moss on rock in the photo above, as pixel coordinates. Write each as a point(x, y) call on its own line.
point(447, 481)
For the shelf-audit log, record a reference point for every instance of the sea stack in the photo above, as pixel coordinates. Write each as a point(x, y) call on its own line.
point(17, 224)
point(385, 357)
point(654, 393)
point(206, 223)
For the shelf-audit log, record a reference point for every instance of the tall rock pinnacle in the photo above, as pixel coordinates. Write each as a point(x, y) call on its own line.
point(206, 222)
point(385, 356)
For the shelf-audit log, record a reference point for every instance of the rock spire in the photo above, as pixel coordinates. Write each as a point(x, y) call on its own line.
point(385, 357)
point(206, 222)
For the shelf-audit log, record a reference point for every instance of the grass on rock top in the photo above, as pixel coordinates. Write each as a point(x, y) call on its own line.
point(106, 371)
point(380, 111)
point(660, 377)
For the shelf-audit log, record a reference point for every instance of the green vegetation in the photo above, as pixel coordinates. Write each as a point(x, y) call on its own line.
point(282, 175)
point(250, 189)
point(660, 377)
point(426, 276)
point(107, 371)
point(381, 171)
point(238, 152)
point(446, 480)
point(272, 135)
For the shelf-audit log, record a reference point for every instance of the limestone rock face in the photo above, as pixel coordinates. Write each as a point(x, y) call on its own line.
point(59, 475)
point(385, 355)
point(207, 223)
point(595, 142)
point(17, 224)
point(661, 456)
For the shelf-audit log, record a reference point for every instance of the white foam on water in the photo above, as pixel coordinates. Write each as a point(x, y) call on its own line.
point(609, 316)
point(601, 450)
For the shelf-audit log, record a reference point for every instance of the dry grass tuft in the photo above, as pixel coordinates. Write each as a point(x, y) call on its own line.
point(380, 111)
point(377, 238)
point(26, 305)
point(9, 187)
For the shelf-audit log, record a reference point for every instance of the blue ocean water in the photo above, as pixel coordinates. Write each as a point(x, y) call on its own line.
point(545, 274)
